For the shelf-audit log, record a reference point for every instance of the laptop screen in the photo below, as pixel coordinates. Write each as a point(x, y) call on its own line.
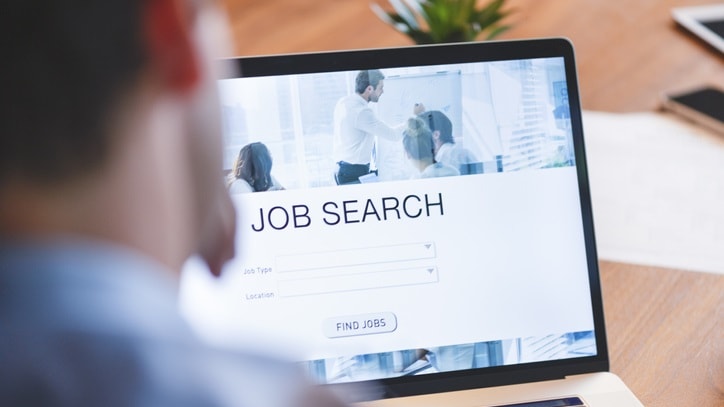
point(409, 213)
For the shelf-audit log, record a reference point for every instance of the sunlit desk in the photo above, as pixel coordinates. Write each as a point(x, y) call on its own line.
point(665, 334)
point(664, 326)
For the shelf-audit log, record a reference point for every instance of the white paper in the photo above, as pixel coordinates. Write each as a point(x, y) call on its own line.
point(657, 185)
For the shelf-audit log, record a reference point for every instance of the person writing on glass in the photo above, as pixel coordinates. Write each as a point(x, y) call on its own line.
point(356, 127)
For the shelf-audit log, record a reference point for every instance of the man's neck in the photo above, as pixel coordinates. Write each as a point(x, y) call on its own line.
point(29, 208)
point(129, 201)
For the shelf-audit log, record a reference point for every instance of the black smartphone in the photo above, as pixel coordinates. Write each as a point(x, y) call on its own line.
point(704, 106)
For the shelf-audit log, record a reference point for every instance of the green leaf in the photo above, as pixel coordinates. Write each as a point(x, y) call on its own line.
point(382, 14)
point(405, 13)
point(416, 8)
point(394, 20)
point(435, 21)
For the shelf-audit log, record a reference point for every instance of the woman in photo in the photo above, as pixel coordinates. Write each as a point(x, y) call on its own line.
point(252, 170)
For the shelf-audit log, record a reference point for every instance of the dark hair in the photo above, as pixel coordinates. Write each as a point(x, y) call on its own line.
point(364, 79)
point(438, 121)
point(417, 139)
point(65, 68)
point(253, 165)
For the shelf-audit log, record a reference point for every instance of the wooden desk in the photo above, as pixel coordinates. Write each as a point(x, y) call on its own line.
point(664, 326)
point(665, 334)
point(628, 52)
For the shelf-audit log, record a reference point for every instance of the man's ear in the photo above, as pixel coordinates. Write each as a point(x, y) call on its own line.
point(167, 34)
point(436, 135)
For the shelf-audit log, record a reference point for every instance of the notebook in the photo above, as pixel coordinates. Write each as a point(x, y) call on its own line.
point(418, 218)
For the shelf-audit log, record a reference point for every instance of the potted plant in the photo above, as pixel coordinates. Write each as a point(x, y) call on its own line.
point(440, 21)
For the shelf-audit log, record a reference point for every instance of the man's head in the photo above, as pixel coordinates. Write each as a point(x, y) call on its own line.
point(370, 84)
point(108, 126)
point(64, 74)
point(440, 125)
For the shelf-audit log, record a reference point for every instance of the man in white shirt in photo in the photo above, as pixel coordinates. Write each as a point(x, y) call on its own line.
point(356, 127)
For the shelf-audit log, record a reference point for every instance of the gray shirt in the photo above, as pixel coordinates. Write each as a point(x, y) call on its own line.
point(90, 324)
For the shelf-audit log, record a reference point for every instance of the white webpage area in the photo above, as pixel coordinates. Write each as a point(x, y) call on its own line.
point(352, 270)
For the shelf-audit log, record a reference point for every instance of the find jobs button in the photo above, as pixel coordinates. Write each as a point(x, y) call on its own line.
point(355, 325)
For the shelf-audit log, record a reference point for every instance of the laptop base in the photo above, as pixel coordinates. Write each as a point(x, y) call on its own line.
point(595, 389)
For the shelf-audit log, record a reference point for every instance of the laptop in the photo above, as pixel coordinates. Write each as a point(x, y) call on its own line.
point(476, 288)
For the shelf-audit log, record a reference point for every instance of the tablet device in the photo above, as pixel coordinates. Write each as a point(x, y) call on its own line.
point(707, 22)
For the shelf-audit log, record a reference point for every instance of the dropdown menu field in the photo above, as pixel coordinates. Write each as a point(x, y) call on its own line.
point(356, 269)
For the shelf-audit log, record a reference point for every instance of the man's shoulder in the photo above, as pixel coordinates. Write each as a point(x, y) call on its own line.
point(457, 152)
point(467, 155)
point(352, 101)
point(72, 335)
point(85, 285)
point(80, 368)
point(444, 151)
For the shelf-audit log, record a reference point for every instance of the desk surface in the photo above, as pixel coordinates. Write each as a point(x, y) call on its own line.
point(628, 52)
point(663, 331)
